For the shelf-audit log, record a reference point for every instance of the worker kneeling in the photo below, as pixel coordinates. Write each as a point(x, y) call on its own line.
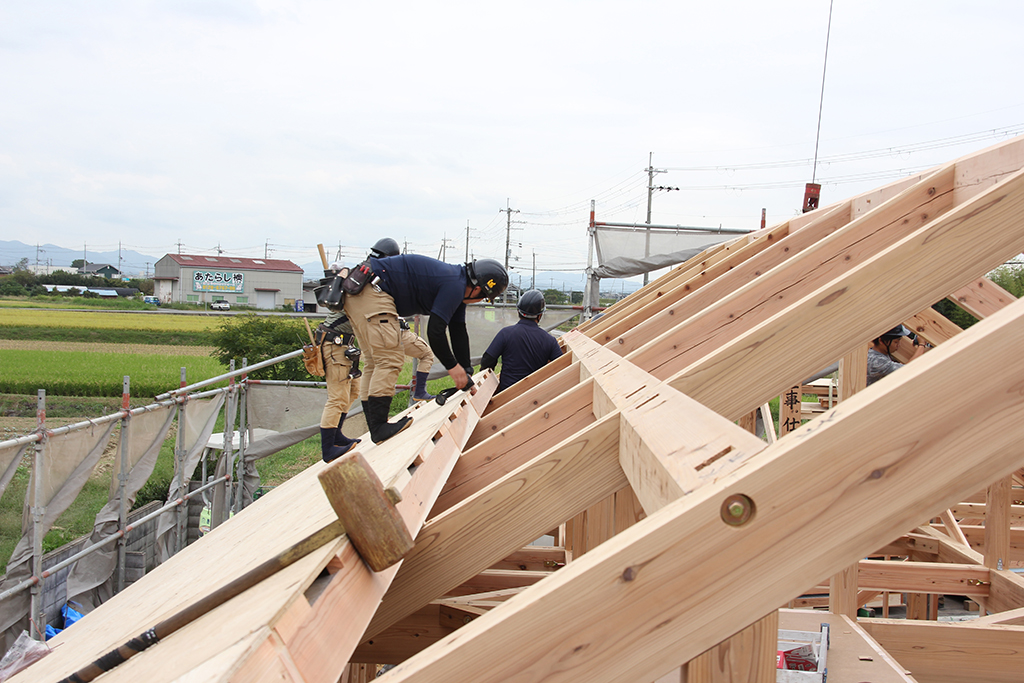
point(524, 347)
point(410, 284)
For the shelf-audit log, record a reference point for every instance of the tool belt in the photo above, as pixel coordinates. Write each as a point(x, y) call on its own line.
point(358, 278)
point(328, 335)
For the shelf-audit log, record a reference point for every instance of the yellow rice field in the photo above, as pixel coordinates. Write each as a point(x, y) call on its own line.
point(134, 320)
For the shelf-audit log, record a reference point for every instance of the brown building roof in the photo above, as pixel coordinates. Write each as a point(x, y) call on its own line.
point(190, 260)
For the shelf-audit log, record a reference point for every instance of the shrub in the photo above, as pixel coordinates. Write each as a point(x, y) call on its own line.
point(259, 338)
point(11, 287)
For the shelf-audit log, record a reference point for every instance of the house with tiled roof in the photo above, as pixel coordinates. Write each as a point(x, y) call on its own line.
point(197, 278)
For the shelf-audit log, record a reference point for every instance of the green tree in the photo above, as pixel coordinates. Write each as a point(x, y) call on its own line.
point(78, 263)
point(554, 296)
point(1010, 278)
point(258, 338)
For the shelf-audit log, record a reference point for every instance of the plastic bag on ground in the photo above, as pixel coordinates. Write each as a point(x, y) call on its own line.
point(23, 653)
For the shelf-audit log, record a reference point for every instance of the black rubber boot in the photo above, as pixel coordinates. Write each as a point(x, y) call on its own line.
point(380, 429)
point(340, 439)
point(420, 394)
point(329, 450)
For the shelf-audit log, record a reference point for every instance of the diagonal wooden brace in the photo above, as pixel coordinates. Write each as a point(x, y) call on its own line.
point(372, 523)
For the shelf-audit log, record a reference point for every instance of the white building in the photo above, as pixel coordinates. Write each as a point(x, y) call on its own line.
point(262, 283)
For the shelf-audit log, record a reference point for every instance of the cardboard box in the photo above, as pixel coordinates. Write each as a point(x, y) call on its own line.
point(798, 656)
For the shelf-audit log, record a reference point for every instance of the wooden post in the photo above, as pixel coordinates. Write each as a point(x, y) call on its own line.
point(842, 587)
point(740, 658)
point(997, 524)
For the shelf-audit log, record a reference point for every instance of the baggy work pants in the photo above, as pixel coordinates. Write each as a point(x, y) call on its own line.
point(342, 390)
point(375, 320)
point(415, 347)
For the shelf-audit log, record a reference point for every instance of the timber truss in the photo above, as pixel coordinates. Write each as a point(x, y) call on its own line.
point(679, 534)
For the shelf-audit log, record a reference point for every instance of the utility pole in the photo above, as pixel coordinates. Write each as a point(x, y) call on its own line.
point(179, 245)
point(119, 256)
point(467, 240)
point(266, 249)
point(508, 237)
point(533, 278)
point(650, 193)
point(443, 253)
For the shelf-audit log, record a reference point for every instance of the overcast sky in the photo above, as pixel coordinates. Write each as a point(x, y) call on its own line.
point(267, 126)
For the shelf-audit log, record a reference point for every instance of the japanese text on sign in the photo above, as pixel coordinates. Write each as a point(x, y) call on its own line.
point(213, 281)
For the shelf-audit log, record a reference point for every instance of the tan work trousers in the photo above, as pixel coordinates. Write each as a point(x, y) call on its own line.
point(375, 321)
point(416, 348)
point(342, 390)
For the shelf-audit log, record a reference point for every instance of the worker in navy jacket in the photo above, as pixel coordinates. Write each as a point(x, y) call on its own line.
point(410, 284)
point(524, 347)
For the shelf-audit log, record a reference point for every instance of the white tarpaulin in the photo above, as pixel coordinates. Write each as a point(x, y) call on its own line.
point(635, 250)
point(200, 415)
point(91, 579)
point(68, 460)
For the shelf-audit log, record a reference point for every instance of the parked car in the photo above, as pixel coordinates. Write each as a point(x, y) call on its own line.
point(220, 306)
point(151, 300)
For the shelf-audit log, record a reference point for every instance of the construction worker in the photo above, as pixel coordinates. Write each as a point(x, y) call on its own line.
point(880, 360)
point(405, 285)
point(334, 336)
point(524, 347)
point(414, 346)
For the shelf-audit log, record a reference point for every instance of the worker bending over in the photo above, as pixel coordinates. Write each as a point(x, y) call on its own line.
point(410, 284)
point(524, 347)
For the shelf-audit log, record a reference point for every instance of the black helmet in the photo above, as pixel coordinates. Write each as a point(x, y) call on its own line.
point(489, 275)
point(531, 304)
point(898, 331)
point(385, 246)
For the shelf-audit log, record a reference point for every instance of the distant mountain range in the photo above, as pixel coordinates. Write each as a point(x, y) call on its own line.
point(127, 261)
point(137, 264)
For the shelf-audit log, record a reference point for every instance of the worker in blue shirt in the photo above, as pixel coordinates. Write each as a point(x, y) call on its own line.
point(405, 285)
point(524, 347)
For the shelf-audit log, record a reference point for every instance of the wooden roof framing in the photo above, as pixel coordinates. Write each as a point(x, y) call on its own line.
point(640, 413)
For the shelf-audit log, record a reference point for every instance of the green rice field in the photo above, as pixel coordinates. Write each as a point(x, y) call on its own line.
point(98, 373)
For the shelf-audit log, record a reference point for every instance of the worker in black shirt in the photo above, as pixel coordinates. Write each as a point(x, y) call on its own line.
point(405, 285)
point(524, 347)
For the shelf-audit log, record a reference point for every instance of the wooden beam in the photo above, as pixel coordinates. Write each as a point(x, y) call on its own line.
point(636, 606)
point(522, 505)
point(550, 389)
point(978, 510)
point(981, 297)
point(669, 442)
point(890, 286)
point(949, 653)
point(510, 447)
point(825, 260)
point(932, 326)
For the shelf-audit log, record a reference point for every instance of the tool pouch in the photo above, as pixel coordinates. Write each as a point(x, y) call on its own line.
point(313, 359)
point(357, 278)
